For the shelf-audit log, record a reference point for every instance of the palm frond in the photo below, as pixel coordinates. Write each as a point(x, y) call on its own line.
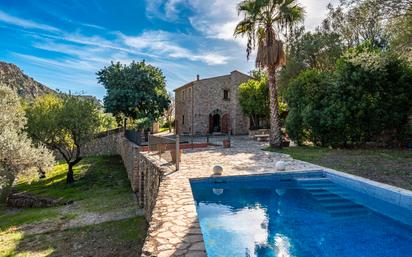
point(262, 21)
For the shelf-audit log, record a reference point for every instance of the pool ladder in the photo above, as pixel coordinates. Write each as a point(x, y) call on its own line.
point(331, 198)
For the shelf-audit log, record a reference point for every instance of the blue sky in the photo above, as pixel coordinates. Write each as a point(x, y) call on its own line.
point(64, 43)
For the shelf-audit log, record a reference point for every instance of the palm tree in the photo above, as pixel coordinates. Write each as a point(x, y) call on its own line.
point(262, 24)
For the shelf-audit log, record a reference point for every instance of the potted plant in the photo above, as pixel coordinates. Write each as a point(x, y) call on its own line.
point(226, 143)
point(286, 139)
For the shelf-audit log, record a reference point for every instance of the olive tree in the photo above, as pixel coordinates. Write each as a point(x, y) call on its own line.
point(64, 125)
point(18, 154)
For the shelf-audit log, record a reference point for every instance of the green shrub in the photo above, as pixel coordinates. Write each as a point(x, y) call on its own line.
point(307, 98)
point(254, 100)
point(367, 98)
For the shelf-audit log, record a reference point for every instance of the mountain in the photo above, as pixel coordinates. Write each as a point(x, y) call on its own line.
point(13, 77)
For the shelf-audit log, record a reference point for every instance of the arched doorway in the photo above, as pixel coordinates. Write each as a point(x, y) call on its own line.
point(215, 121)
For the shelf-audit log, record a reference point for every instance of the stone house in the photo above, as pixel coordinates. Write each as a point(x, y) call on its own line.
point(211, 105)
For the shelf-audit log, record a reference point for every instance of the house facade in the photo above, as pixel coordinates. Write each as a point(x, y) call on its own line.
point(211, 105)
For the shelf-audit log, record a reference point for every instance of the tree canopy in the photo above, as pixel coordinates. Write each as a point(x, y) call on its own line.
point(64, 125)
point(254, 100)
point(136, 91)
point(17, 152)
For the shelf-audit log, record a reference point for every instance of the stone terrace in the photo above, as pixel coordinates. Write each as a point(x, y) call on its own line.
point(174, 228)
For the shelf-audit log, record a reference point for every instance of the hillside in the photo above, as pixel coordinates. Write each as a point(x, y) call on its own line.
point(13, 77)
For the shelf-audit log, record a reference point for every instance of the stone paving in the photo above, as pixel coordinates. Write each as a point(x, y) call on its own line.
point(174, 229)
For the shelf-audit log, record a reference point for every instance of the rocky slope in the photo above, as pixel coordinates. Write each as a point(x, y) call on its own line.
point(13, 77)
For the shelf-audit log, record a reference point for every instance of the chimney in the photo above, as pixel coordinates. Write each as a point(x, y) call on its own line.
point(197, 77)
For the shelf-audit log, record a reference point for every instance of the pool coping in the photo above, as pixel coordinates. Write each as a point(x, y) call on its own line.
point(388, 193)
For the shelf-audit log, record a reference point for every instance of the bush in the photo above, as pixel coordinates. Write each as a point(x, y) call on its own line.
point(365, 99)
point(254, 100)
point(307, 98)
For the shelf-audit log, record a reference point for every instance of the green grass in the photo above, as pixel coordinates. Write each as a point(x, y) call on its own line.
point(113, 238)
point(95, 176)
point(101, 187)
point(10, 219)
point(163, 129)
point(391, 166)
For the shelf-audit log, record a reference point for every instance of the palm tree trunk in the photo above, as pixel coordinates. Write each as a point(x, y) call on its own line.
point(275, 130)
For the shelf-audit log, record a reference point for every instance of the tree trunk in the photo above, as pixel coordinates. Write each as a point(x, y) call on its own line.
point(70, 175)
point(275, 130)
point(6, 190)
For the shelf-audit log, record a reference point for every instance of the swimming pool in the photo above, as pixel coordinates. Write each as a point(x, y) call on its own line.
point(301, 214)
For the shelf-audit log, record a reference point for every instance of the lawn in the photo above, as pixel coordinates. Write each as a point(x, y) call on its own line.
point(102, 221)
point(391, 166)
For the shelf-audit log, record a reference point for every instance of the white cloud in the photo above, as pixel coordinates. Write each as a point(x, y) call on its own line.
point(218, 18)
point(172, 8)
point(28, 24)
point(162, 43)
point(164, 9)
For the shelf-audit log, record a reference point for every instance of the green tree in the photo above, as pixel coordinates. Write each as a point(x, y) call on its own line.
point(170, 112)
point(254, 100)
point(399, 33)
point(374, 89)
point(262, 24)
point(17, 153)
point(310, 50)
point(136, 91)
point(357, 23)
point(107, 122)
point(64, 125)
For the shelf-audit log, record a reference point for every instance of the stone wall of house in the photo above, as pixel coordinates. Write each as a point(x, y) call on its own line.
point(183, 109)
point(208, 99)
point(201, 98)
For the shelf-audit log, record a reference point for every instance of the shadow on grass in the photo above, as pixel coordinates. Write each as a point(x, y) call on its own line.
point(113, 238)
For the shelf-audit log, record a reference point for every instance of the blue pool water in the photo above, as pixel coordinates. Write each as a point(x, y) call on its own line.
point(302, 217)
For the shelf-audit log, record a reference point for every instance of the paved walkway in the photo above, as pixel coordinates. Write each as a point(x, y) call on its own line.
point(174, 229)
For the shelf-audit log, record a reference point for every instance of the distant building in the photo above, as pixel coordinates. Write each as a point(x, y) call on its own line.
point(211, 105)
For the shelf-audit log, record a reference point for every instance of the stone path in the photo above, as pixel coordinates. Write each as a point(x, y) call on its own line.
point(174, 229)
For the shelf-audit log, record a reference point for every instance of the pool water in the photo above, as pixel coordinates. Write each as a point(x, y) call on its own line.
point(295, 217)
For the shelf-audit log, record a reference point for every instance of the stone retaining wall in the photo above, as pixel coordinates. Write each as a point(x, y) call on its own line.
point(144, 171)
point(103, 145)
point(150, 171)
point(129, 152)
